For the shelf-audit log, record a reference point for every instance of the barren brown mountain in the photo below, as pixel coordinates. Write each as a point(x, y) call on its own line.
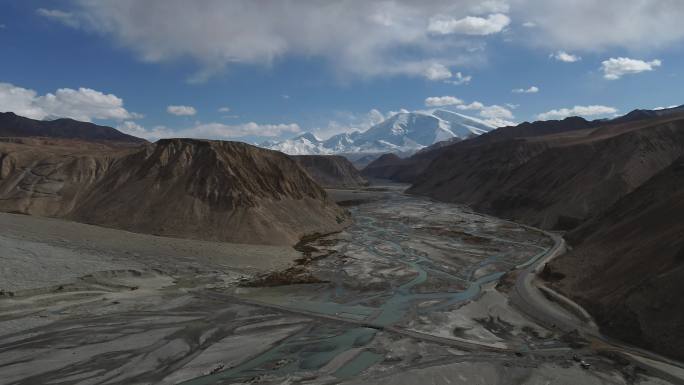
point(331, 171)
point(223, 191)
point(627, 267)
point(407, 170)
point(554, 181)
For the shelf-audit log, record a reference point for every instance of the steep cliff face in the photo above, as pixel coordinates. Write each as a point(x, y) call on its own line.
point(223, 191)
point(553, 181)
point(331, 171)
point(627, 267)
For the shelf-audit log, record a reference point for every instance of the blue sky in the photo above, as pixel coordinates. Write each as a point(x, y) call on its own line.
point(272, 69)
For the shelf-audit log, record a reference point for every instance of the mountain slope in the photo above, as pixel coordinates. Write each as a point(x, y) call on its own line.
point(404, 132)
point(408, 169)
point(12, 125)
point(211, 190)
point(331, 171)
point(627, 267)
point(553, 181)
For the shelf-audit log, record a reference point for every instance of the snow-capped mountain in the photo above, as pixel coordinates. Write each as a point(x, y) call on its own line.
point(405, 132)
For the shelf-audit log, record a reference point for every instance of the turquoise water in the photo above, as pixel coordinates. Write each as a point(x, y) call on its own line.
point(385, 232)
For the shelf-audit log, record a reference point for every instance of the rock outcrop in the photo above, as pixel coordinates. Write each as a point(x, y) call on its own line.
point(331, 171)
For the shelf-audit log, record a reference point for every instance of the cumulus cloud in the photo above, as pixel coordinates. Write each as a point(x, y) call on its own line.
point(615, 68)
point(224, 109)
point(492, 114)
point(83, 104)
point(181, 110)
point(441, 101)
point(496, 112)
point(66, 18)
point(367, 37)
point(458, 79)
point(472, 106)
point(529, 24)
point(586, 111)
point(437, 71)
point(565, 57)
point(356, 37)
point(530, 90)
point(470, 25)
point(210, 130)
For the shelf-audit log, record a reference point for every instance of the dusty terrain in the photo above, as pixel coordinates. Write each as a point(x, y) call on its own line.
point(219, 191)
point(413, 290)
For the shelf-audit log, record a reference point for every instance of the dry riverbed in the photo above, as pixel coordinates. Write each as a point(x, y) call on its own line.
point(413, 291)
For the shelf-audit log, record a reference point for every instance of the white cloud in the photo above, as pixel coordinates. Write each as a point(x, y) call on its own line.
point(472, 106)
point(224, 109)
point(496, 112)
point(441, 101)
point(615, 68)
point(3, 26)
point(471, 25)
point(210, 130)
point(437, 71)
point(357, 37)
point(181, 110)
point(493, 114)
point(565, 57)
point(587, 111)
point(132, 128)
point(458, 79)
point(368, 37)
point(82, 104)
point(591, 25)
point(530, 90)
point(66, 18)
point(529, 24)
point(497, 115)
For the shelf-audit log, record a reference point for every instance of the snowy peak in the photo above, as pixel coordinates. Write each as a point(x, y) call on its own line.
point(405, 132)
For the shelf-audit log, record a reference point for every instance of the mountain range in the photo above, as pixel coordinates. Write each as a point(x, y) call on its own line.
point(404, 132)
point(12, 125)
point(614, 187)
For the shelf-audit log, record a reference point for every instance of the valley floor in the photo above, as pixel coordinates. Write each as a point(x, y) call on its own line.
point(414, 291)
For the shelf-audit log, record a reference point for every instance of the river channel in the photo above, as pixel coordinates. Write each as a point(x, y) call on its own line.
point(404, 260)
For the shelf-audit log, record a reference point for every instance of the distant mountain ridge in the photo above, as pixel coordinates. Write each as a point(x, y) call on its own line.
point(13, 125)
point(404, 132)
